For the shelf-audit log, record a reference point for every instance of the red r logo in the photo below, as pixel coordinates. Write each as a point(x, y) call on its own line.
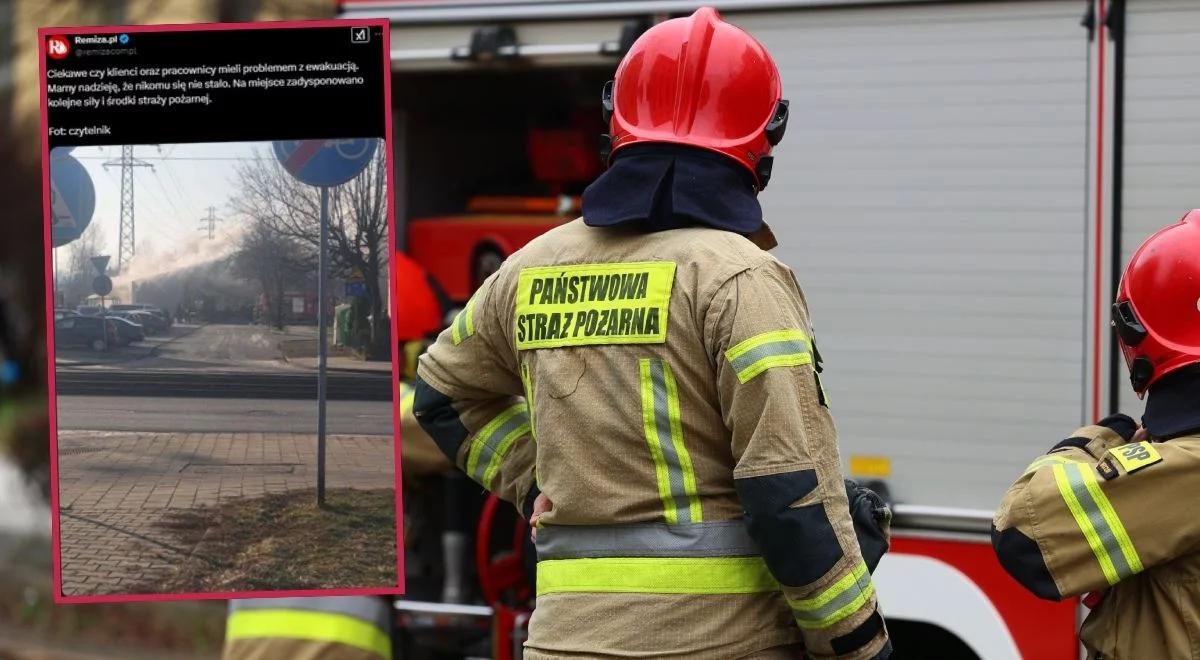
point(58, 47)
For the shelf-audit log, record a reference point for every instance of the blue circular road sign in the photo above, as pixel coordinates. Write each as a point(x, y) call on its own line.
point(325, 162)
point(72, 198)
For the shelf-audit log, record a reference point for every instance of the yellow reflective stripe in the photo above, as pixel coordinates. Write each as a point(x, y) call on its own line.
point(838, 601)
point(1049, 459)
point(493, 465)
point(311, 626)
point(778, 348)
point(855, 604)
point(412, 354)
point(407, 394)
point(650, 428)
point(1132, 560)
point(1085, 524)
point(527, 385)
point(464, 323)
point(685, 459)
point(486, 437)
point(654, 575)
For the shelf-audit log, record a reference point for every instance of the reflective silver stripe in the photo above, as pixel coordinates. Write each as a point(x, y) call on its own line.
point(769, 349)
point(1103, 530)
point(662, 425)
point(493, 444)
point(371, 609)
point(726, 538)
point(831, 609)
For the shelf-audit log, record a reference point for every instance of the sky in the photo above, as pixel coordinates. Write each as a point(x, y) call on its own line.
point(171, 199)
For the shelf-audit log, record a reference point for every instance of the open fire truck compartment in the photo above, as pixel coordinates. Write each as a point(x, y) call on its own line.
point(930, 197)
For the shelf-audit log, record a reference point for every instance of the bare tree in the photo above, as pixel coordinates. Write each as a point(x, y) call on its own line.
point(357, 223)
point(273, 260)
point(75, 284)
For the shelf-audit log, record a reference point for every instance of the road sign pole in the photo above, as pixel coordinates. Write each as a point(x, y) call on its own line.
point(323, 163)
point(322, 285)
point(104, 322)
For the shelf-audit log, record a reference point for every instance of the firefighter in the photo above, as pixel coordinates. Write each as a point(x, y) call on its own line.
point(652, 369)
point(1105, 511)
point(325, 628)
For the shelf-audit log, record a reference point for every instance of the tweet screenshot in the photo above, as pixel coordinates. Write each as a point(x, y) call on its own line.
point(218, 227)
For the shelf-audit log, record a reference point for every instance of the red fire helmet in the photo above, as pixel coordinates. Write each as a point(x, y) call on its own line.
point(702, 82)
point(420, 312)
point(1157, 313)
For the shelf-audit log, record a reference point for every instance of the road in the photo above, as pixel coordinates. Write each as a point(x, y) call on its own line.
point(218, 361)
point(201, 383)
point(217, 343)
point(193, 415)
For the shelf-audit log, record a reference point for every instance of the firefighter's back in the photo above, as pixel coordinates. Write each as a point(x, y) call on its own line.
point(645, 551)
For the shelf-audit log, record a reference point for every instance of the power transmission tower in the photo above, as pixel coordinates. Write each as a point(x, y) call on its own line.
point(209, 223)
point(126, 242)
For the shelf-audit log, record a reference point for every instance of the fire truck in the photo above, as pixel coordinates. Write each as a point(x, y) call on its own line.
point(959, 189)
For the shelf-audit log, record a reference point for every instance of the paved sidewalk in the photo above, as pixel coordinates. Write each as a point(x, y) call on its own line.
point(116, 487)
point(343, 364)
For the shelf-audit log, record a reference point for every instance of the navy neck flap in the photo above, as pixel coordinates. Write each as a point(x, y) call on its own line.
point(1173, 405)
point(656, 187)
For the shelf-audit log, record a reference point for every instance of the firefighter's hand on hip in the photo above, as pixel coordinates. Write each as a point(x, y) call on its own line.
point(540, 505)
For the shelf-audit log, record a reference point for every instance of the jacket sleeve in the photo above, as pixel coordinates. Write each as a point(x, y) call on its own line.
point(1096, 510)
point(469, 399)
point(787, 468)
point(420, 455)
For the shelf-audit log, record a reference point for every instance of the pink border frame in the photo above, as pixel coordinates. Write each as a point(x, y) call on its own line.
point(56, 568)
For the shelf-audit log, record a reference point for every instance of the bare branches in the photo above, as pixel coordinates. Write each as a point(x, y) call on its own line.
point(358, 209)
point(271, 199)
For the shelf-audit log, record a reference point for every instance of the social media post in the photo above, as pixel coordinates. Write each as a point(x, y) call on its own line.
point(224, 389)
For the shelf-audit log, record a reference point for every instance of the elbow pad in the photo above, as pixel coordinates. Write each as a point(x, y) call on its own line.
point(1021, 558)
point(798, 542)
point(436, 414)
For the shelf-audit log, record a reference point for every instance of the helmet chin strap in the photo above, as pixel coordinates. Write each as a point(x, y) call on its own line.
point(1141, 372)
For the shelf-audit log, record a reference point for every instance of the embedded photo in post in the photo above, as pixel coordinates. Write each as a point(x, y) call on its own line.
point(187, 333)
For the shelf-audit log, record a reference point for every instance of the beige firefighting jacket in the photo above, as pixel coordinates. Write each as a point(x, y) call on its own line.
point(677, 421)
point(1119, 518)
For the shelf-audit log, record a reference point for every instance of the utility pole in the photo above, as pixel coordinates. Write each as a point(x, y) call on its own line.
point(126, 241)
point(209, 223)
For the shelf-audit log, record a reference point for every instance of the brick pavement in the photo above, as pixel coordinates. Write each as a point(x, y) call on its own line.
point(115, 488)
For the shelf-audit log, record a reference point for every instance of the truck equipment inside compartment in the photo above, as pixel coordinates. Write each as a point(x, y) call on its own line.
point(481, 132)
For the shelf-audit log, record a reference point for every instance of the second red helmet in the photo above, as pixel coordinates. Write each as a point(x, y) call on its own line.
point(1157, 312)
point(701, 82)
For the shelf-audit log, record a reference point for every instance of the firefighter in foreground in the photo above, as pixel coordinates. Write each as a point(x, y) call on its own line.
point(652, 370)
point(1107, 510)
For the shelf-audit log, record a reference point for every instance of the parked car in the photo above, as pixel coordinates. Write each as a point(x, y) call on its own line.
point(61, 313)
point(92, 331)
point(157, 311)
point(88, 310)
point(151, 323)
point(162, 315)
point(127, 331)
